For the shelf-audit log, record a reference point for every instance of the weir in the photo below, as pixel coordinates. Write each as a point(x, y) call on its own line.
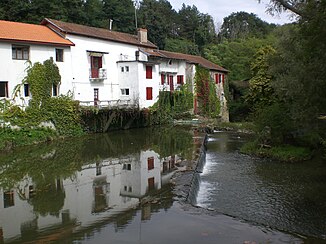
point(195, 181)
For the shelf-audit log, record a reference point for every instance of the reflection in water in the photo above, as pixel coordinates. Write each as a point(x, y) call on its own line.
point(64, 188)
point(289, 197)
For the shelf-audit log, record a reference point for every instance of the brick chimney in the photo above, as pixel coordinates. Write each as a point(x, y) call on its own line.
point(142, 35)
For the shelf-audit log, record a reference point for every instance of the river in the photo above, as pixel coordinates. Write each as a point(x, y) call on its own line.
point(118, 188)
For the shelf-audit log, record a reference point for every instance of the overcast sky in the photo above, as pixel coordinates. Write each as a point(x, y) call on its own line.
point(219, 9)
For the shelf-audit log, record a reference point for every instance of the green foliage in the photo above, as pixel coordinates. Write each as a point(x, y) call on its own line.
point(10, 139)
point(182, 46)
point(208, 102)
point(236, 55)
point(261, 92)
point(243, 25)
point(171, 105)
point(62, 111)
point(286, 153)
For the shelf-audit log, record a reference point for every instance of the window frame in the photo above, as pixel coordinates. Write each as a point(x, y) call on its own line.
point(149, 72)
point(59, 55)
point(22, 48)
point(27, 91)
point(125, 91)
point(6, 91)
point(180, 79)
point(149, 93)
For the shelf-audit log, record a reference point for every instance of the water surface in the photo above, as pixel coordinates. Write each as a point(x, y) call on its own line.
point(286, 196)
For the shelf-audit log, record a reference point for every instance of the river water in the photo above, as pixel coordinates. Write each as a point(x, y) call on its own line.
point(286, 196)
point(116, 188)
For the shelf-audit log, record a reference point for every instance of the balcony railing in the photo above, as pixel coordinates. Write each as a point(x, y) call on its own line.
point(97, 74)
point(108, 103)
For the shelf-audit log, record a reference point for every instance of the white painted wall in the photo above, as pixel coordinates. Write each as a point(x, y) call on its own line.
point(109, 89)
point(14, 71)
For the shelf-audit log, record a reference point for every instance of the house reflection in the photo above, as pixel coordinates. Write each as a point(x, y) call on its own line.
point(100, 191)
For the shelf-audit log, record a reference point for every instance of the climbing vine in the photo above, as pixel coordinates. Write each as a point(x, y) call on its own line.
point(172, 105)
point(60, 113)
point(208, 102)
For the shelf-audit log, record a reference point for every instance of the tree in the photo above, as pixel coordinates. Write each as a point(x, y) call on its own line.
point(157, 17)
point(244, 25)
point(122, 12)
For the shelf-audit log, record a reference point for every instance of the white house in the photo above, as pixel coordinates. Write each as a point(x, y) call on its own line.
point(20, 43)
point(107, 67)
point(99, 66)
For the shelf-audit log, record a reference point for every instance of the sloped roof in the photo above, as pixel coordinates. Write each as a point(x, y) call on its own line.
point(100, 33)
point(187, 57)
point(193, 59)
point(30, 33)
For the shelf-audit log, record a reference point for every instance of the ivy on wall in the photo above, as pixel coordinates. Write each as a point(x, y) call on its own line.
point(208, 102)
point(61, 111)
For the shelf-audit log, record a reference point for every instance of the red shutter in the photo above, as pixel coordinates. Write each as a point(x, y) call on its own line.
point(162, 79)
point(171, 83)
point(149, 93)
point(223, 78)
point(148, 72)
point(150, 163)
point(180, 79)
point(216, 78)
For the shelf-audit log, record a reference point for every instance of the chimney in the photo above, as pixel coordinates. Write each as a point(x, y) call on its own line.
point(142, 35)
point(110, 26)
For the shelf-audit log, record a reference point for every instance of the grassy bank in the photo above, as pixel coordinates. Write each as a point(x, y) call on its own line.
point(10, 139)
point(287, 153)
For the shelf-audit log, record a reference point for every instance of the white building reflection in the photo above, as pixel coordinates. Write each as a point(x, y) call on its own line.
point(97, 192)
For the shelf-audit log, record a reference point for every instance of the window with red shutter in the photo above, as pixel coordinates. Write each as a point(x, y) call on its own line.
point(216, 78)
point(180, 79)
point(149, 70)
point(162, 79)
point(150, 163)
point(149, 93)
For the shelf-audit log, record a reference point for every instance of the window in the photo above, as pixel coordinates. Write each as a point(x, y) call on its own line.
point(26, 90)
point(127, 68)
point(20, 52)
point(3, 89)
point(219, 78)
point(8, 199)
point(149, 93)
point(180, 79)
point(59, 55)
point(170, 62)
point(122, 69)
point(125, 92)
point(126, 166)
point(216, 78)
point(151, 183)
point(162, 79)
point(150, 163)
point(96, 64)
point(149, 71)
point(55, 90)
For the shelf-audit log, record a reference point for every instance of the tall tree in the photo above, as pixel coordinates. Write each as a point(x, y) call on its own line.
point(243, 25)
point(122, 13)
point(157, 17)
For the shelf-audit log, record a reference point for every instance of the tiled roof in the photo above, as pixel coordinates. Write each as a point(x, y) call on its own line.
point(187, 57)
point(30, 33)
point(99, 33)
point(193, 59)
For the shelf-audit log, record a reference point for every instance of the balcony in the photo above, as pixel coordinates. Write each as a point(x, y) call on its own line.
point(97, 75)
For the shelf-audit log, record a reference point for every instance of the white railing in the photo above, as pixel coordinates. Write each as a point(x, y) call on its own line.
point(97, 74)
point(107, 103)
